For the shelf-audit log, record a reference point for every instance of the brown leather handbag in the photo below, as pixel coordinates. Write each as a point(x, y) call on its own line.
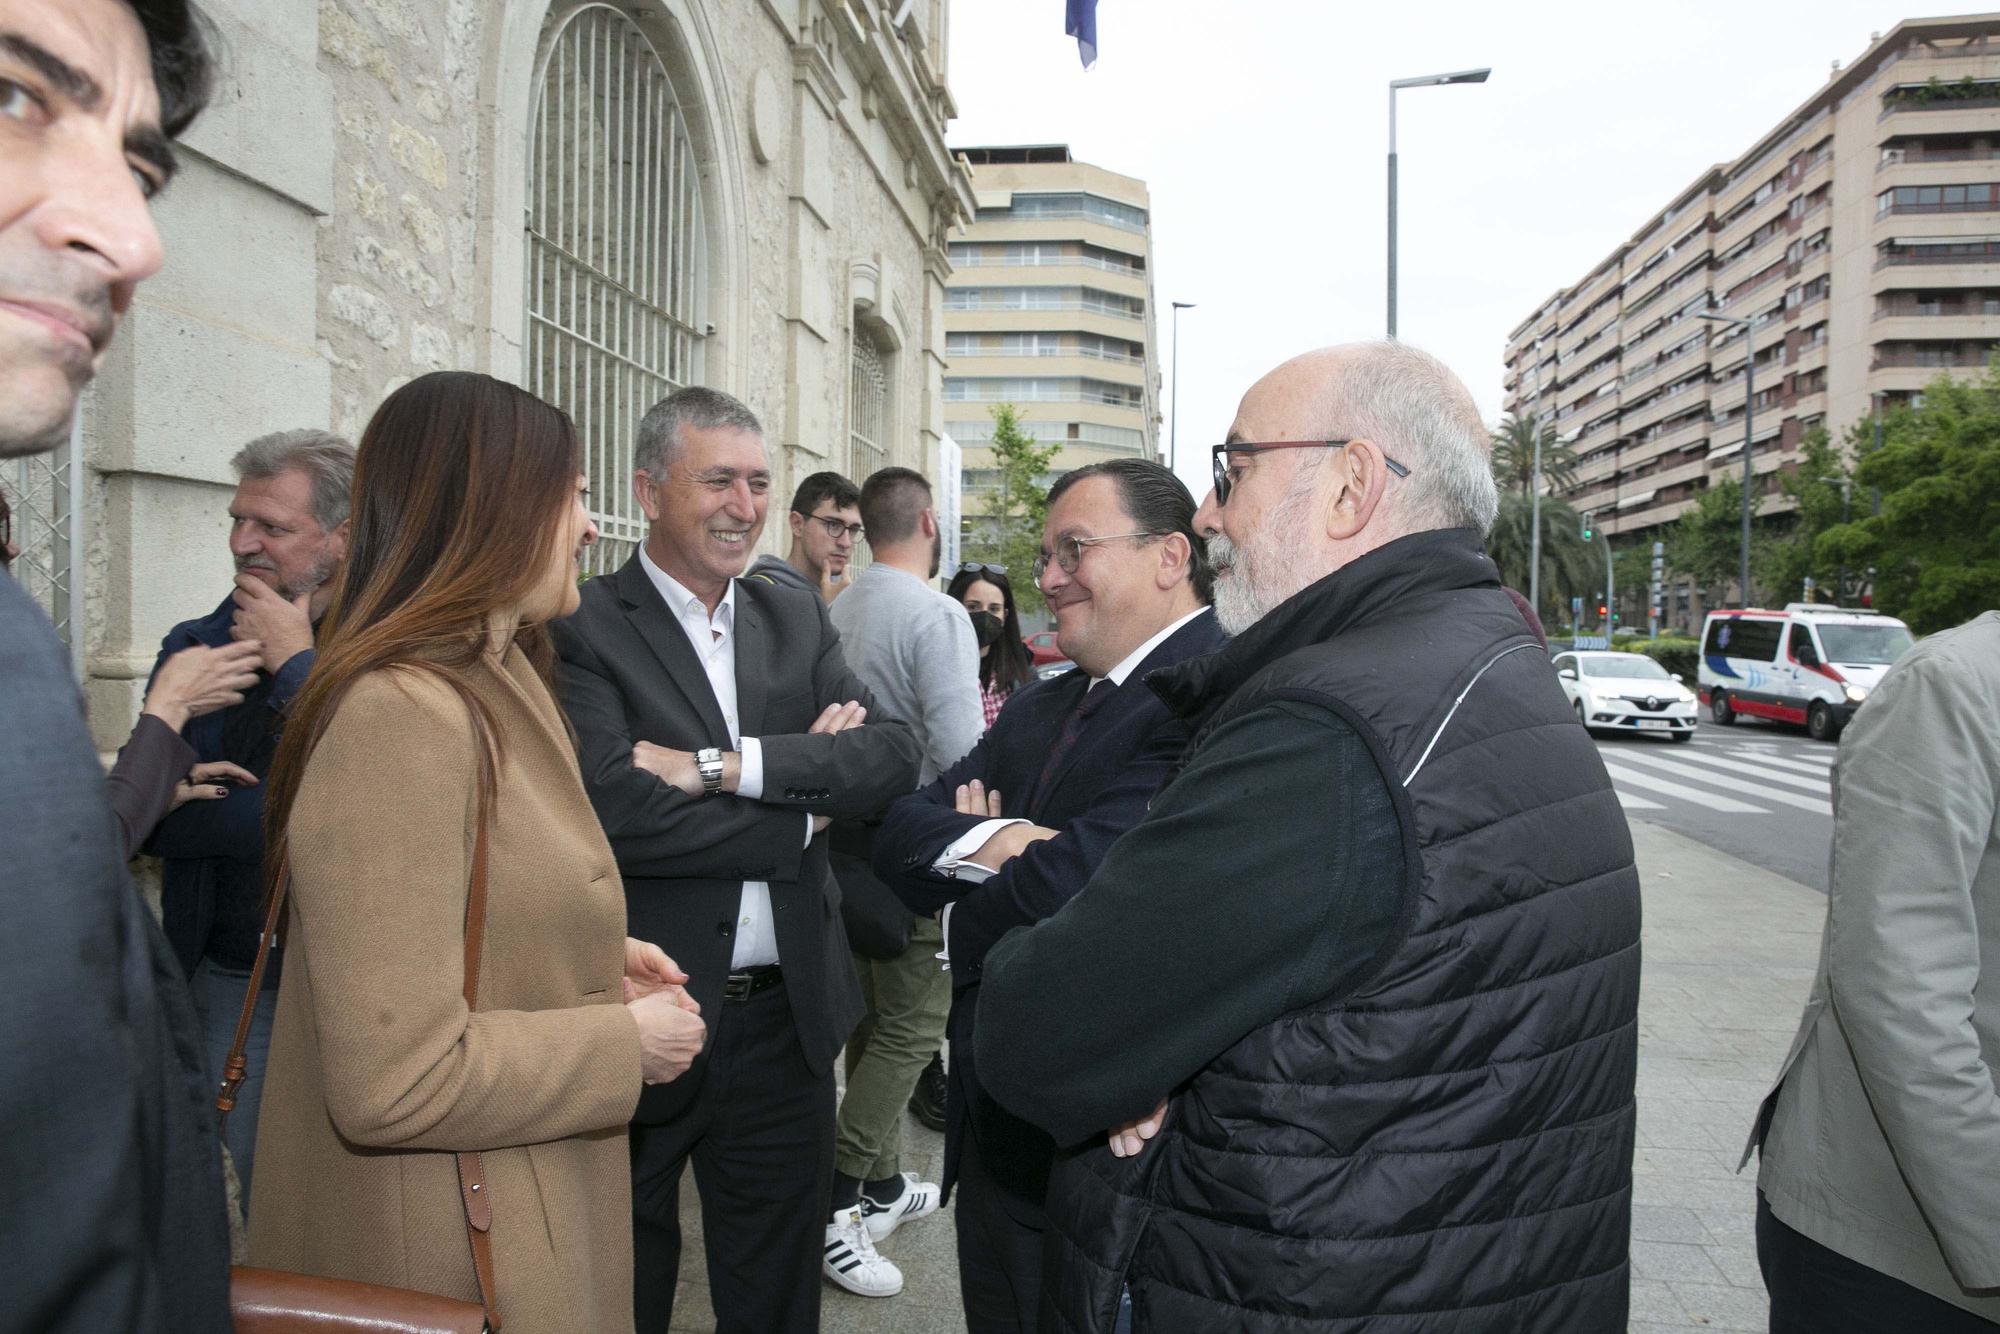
point(273, 1301)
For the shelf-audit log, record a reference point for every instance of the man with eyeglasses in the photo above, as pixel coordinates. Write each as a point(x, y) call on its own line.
point(1011, 833)
point(826, 525)
point(1357, 1000)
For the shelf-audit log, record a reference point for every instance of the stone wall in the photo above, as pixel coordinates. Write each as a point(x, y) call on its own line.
point(350, 215)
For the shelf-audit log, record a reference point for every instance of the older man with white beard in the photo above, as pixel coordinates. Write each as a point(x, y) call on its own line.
point(1357, 1000)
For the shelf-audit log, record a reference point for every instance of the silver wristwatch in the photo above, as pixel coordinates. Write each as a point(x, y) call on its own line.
point(708, 763)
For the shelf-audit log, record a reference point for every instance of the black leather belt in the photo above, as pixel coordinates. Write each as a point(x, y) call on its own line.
point(751, 980)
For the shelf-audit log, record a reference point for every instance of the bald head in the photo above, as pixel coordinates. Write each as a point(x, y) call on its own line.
point(1404, 400)
point(1412, 457)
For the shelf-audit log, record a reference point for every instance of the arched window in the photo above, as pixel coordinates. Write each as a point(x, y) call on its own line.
point(614, 252)
point(869, 406)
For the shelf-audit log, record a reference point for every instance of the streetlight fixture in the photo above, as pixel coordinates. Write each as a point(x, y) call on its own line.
point(1749, 419)
point(1422, 81)
point(1846, 485)
point(1174, 403)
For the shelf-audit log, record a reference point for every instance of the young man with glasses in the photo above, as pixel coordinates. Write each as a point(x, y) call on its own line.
point(1366, 975)
point(826, 526)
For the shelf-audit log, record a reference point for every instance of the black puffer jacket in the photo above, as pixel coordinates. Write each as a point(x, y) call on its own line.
point(1447, 1146)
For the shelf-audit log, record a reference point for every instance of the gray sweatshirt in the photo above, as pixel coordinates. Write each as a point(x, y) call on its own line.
point(777, 570)
point(913, 647)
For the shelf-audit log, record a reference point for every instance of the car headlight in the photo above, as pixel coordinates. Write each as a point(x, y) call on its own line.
point(1855, 694)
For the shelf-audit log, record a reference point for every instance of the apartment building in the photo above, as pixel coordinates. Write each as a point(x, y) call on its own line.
point(1860, 238)
point(1050, 308)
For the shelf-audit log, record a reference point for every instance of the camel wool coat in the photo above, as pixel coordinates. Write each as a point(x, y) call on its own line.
point(377, 1071)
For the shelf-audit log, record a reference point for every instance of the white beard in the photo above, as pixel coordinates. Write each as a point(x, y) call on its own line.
point(1268, 569)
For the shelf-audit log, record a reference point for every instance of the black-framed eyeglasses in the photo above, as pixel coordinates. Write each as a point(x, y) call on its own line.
point(1069, 551)
point(835, 525)
point(981, 567)
point(1224, 483)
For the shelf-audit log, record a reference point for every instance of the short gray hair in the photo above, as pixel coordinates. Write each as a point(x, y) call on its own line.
point(704, 409)
point(325, 459)
point(1421, 414)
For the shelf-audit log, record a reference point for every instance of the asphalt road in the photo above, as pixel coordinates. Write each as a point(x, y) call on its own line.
point(1759, 791)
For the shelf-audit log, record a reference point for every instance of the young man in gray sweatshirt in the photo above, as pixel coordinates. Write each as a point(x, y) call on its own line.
point(826, 524)
point(914, 649)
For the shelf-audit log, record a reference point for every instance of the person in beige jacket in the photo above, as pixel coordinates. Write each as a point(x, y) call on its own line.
point(429, 711)
point(1879, 1191)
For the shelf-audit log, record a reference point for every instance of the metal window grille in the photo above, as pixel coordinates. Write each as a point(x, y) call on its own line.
point(868, 408)
point(45, 493)
point(615, 277)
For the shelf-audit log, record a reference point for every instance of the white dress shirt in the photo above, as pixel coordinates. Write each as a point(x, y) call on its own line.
point(714, 641)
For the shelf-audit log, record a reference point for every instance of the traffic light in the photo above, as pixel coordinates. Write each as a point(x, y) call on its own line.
point(1588, 533)
point(1600, 609)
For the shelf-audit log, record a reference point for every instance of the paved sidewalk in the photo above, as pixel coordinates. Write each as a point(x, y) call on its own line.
point(1729, 952)
point(1729, 956)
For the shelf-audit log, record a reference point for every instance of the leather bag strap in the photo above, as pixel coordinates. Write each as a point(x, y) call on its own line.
point(473, 1194)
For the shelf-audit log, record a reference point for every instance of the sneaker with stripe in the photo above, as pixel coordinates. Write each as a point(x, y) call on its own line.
point(851, 1261)
point(920, 1199)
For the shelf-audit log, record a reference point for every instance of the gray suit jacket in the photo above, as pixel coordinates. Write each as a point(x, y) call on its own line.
point(1882, 1137)
point(111, 1205)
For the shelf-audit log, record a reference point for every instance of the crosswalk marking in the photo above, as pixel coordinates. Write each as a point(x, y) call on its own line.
point(1816, 785)
point(1632, 803)
point(1763, 792)
point(1805, 761)
point(1727, 805)
point(1822, 772)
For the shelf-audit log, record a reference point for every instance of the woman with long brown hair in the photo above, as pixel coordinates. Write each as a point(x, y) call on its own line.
point(426, 736)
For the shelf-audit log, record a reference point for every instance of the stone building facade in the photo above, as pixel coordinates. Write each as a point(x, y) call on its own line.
point(599, 201)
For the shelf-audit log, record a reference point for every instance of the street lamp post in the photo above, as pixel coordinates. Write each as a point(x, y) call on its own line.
point(1749, 423)
point(1846, 511)
point(1174, 402)
point(1535, 494)
point(1422, 81)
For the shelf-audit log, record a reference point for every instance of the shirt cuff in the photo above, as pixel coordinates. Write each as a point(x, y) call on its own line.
point(943, 956)
point(285, 682)
point(750, 769)
point(809, 829)
point(952, 863)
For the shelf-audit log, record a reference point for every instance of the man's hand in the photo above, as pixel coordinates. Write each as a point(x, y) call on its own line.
point(675, 768)
point(820, 822)
point(836, 718)
point(973, 799)
point(1008, 842)
point(201, 680)
point(206, 782)
point(670, 1036)
point(1127, 1140)
point(832, 582)
point(282, 626)
point(649, 969)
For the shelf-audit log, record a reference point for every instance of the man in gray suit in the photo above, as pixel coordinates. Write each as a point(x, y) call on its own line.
point(719, 729)
point(111, 1205)
point(1879, 1193)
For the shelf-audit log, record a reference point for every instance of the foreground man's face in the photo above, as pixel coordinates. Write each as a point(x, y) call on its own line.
point(81, 154)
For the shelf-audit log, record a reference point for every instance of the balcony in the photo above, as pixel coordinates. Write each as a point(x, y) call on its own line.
point(1927, 250)
point(1891, 357)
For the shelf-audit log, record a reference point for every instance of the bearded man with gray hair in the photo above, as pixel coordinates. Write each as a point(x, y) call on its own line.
point(1365, 980)
point(287, 538)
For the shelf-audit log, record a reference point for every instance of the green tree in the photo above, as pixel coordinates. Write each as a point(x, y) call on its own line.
point(1935, 545)
point(1514, 457)
point(1792, 555)
point(1012, 535)
point(1570, 566)
point(1706, 542)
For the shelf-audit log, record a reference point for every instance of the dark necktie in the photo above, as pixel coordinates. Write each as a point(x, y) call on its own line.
point(1093, 700)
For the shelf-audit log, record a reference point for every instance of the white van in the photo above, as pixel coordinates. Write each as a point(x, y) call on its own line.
point(1807, 664)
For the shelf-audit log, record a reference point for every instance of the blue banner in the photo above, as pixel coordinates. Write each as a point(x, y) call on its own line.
point(1083, 27)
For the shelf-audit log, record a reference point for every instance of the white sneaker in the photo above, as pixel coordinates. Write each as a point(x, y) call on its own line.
point(919, 1199)
point(851, 1260)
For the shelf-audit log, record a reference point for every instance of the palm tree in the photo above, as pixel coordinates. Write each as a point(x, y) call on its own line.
point(1514, 456)
point(1569, 564)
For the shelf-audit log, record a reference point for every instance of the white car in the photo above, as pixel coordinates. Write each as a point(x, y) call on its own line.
point(1626, 692)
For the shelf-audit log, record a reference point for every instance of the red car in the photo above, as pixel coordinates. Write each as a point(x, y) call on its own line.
point(1042, 648)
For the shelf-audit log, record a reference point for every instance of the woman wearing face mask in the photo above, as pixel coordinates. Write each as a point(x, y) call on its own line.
point(1003, 658)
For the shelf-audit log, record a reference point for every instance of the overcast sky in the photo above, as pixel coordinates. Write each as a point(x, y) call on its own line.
point(1261, 128)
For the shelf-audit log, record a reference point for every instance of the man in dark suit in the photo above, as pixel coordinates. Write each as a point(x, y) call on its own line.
point(111, 1205)
point(1007, 836)
point(718, 730)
